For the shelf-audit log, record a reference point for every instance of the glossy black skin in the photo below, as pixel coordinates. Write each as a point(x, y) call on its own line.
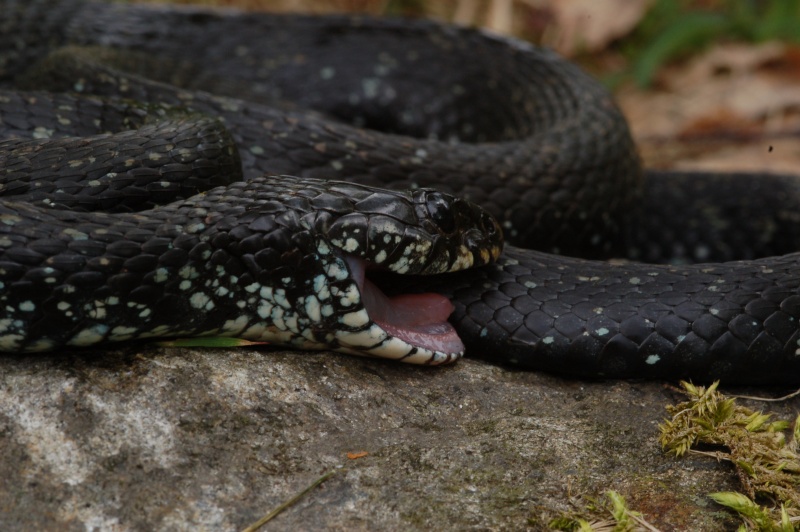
point(735, 321)
point(540, 144)
point(407, 92)
point(233, 261)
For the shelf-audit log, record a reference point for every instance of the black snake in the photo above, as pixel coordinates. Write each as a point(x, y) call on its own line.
point(396, 104)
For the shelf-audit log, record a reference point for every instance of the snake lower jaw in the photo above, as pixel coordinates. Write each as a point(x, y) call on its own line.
point(417, 320)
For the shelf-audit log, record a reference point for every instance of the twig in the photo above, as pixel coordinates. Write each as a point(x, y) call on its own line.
point(768, 399)
point(264, 520)
point(644, 524)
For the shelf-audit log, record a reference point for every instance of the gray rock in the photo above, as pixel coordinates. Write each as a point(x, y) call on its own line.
point(174, 439)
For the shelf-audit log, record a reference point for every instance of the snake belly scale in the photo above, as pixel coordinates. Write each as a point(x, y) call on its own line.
point(403, 105)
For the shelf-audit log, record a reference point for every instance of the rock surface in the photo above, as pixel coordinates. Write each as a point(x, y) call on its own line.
point(153, 438)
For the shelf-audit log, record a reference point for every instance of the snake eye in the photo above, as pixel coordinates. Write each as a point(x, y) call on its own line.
point(440, 211)
point(488, 224)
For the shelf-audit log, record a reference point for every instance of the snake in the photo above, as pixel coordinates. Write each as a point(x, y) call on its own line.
point(394, 188)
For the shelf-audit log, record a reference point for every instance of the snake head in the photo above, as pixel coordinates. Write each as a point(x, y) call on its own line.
point(422, 232)
point(319, 242)
point(278, 259)
point(418, 233)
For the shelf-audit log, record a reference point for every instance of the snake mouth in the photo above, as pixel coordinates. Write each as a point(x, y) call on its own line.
point(419, 320)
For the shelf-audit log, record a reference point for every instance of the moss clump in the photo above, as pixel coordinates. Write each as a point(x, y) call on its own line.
point(607, 515)
point(765, 461)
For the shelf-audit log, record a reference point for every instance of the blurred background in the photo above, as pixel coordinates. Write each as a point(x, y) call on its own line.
point(708, 84)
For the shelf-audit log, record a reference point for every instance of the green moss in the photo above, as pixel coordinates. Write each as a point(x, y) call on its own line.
point(765, 461)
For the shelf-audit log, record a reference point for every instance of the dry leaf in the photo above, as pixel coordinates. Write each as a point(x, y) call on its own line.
point(591, 24)
point(357, 455)
point(727, 86)
point(735, 107)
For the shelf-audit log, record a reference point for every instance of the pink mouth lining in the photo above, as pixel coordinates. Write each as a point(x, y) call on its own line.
point(419, 320)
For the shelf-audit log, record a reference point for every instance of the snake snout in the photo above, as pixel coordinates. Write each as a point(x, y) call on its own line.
point(481, 235)
point(474, 240)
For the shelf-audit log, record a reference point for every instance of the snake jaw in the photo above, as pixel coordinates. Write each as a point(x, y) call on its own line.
point(412, 328)
point(423, 232)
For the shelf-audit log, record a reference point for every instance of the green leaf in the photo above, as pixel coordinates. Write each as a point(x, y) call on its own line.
point(619, 507)
point(745, 507)
point(779, 21)
point(756, 421)
point(212, 341)
point(733, 500)
point(796, 434)
point(786, 523)
point(747, 467)
point(691, 30)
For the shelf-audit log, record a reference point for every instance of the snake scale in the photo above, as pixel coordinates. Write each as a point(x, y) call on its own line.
point(229, 101)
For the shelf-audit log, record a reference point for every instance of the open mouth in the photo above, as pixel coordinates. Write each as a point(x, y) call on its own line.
point(419, 320)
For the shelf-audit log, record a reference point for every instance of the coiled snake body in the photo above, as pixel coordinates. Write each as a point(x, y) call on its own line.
point(395, 104)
